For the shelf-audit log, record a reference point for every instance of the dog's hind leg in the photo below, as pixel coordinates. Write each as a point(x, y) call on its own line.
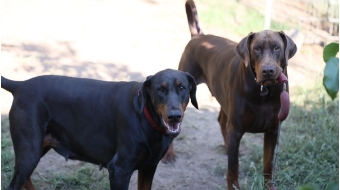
point(27, 132)
point(222, 119)
point(170, 155)
point(49, 142)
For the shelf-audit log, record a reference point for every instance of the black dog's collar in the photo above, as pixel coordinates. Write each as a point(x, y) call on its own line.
point(150, 120)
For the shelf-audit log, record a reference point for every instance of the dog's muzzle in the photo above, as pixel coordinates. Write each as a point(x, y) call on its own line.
point(172, 129)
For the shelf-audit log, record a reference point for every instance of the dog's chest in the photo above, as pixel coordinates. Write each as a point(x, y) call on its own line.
point(153, 152)
point(260, 117)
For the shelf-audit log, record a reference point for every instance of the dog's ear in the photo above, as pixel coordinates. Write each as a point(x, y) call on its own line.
point(242, 48)
point(192, 90)
point(142, 94)
point(290, 47)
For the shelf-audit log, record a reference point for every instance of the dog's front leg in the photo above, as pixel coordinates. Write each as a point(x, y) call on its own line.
point(120, 172)
point(234, 138)
point(270, 139)
point(145, 177)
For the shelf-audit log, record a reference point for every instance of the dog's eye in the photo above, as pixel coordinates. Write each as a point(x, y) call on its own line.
point(276, 48)
point(181, 88)
point(257, 49)
point(160, 89)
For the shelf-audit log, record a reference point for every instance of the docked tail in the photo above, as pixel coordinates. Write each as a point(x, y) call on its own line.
point(191, 11)
point(9, 85)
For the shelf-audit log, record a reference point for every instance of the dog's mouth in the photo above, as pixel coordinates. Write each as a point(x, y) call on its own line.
point(172, 129)
point(268, 78)
point(268, 82)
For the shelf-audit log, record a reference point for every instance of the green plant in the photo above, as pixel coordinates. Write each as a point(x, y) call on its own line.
point(331, 72)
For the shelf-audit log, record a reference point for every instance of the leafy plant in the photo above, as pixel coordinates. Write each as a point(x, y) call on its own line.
point(331, 72)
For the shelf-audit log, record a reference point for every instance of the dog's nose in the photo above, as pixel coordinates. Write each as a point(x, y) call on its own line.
point(174, 116)
point(268, 70)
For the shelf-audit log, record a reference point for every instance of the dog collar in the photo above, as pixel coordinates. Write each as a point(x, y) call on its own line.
point(152, 122)
point(264, 89)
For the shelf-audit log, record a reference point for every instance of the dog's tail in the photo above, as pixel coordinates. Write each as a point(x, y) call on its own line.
point(9, 85)
point(191, 11)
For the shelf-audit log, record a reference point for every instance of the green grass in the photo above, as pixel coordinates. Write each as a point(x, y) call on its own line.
point(235, 17)
point(86, 177)
point(7, 155)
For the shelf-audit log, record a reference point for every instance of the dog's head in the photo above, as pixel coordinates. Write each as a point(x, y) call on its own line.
point(168, 92)
point(267, 52)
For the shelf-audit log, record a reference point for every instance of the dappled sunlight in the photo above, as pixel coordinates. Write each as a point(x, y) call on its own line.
point(207, 45)
point(21, 62)
point(34, 60)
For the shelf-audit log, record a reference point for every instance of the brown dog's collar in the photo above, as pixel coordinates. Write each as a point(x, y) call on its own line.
point(152, 122)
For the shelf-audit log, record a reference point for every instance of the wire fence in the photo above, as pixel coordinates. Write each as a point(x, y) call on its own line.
point(318, 20)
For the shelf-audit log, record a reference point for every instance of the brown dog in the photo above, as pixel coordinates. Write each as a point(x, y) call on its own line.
point(243, 78)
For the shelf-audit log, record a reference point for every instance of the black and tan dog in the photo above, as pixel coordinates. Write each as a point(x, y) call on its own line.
point(123, 126)
point(243, 78)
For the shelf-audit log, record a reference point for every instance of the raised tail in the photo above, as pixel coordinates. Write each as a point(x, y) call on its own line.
point(9, 85)
point(191, 11)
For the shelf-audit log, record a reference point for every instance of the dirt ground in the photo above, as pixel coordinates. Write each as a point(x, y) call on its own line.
point(125, 40)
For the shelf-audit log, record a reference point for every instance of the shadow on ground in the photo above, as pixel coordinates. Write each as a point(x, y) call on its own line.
point(63, 60)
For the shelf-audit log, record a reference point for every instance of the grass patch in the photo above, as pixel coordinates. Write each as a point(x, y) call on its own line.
point(86, 177)
point(236, 17)
point(220, 169)
point(310, 140)
point(7, 155)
